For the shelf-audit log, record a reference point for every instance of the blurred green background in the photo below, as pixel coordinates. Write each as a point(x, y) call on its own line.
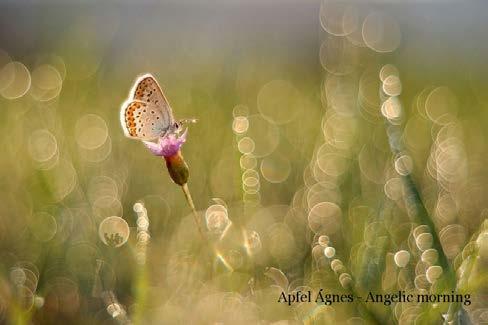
point(339, 145)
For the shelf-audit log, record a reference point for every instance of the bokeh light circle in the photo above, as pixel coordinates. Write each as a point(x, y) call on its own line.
point(46, 82)
point(42, 145)
point(275, 168)
point(15, 80)
point(114, 231)
point(381, 32)
point(325, 217)
point(91, 131)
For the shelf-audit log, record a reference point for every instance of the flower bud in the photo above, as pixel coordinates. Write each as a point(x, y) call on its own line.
point(177, 168)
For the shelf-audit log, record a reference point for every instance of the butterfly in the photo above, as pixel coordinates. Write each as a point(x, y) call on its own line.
point(146, 114)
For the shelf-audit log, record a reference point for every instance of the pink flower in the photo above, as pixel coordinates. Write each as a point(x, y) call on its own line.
point(168, 145)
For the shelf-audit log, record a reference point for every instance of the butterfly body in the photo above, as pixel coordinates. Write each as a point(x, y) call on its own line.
point(147, 115)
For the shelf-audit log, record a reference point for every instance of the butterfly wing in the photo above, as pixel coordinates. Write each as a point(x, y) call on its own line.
point(143, 121)
point(147, 115)
point(147, 90)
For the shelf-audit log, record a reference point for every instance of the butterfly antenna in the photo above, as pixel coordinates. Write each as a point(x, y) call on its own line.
point(188, 121)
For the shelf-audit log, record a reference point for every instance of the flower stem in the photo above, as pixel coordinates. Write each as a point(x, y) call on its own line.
point(187, 193)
